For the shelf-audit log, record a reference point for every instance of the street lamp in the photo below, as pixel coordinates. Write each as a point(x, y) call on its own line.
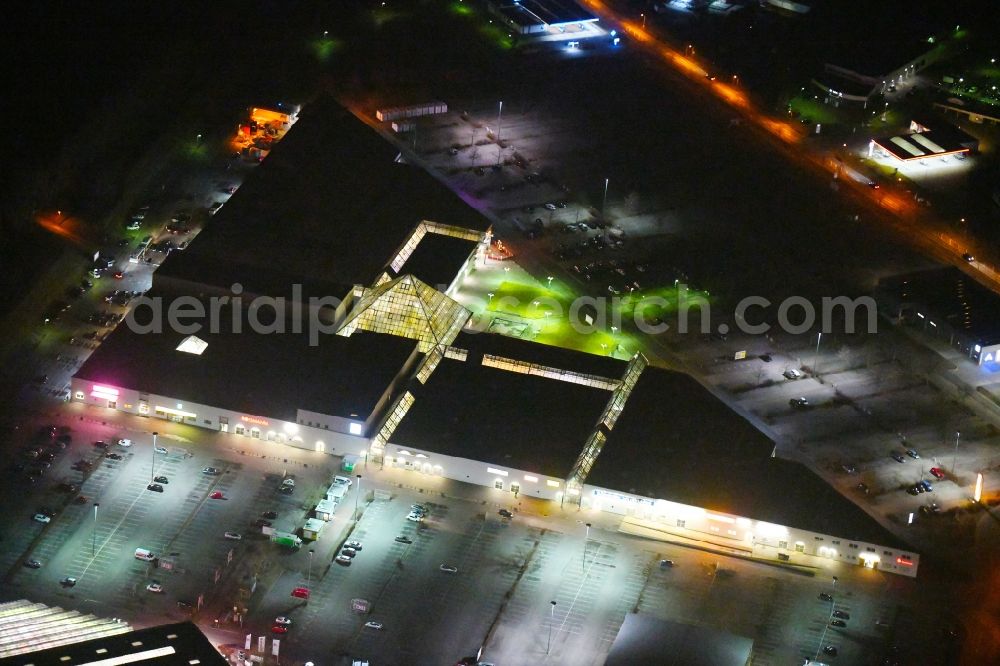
point(93, 545)
point(152, 468)
point(552, 620)
point(550, 279)
point(310, 570)
point(954, 457)
point(499, 147)
point(586, 542)
point(604, 202)
point(356, 498)
point(816, 355)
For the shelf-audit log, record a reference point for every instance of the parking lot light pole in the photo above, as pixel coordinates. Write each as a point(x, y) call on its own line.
point(152, 468)
point(604, 202)
point(356, 498)
point(954, 457)
point(310, 570)
point(552, 620)
point(819, 337)
point(93, 543)
point(586, 542)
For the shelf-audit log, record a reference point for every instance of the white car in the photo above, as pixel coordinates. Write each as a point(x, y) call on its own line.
point(415, 517)
point(342, 481)
point(154, 587)
point(447, 568)
point(288, 482)
point(235, 536)
point(283, 621)
point(42, 518)
point(125, 443)
point(792, 373)
point(373, 625)
point(160, 449)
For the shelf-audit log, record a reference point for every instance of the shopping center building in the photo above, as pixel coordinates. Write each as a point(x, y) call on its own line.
point(354, 345)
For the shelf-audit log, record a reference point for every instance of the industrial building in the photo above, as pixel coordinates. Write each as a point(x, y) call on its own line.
point(946, 304)
point(398, 378)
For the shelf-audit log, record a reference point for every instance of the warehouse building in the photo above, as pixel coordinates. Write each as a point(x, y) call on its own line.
point(948, 305)
point(373, 255)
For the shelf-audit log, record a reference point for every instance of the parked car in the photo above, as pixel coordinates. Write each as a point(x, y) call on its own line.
point(217, 495)
point(505, 513)
point(843, 615)
point(154, 587)
point(68, 581)
point(114, 456)
point(210, 471)
point(447, 568)
point(799, 403)
point(33, 564)
point(838, 623)
point(343, 560)
point(279, 629)
point(937, 472)
point(269, 514)
point(349, 552)
point(373, 625)
point(792, 373)
point(161, 479)
point(913, 454)
point(415, 517)
point(155, 487)
point(161, 450)
point(301, 592)
point(898, 457)
point(42, 518)
point(404, 539)
point(823, 596)
point(283, 621)
point(355, 545)
point(235, 536)
point(101, 444)
point(849, 468)
point(125, 443)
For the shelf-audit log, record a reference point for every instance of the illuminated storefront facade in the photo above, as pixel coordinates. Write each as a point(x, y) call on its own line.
point(315, 432)
point(660, 519)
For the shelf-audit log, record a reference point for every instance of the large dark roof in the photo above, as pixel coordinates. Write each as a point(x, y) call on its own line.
point(270, 375)
point(182, 644)
point(532, 352)
point(644, 640)
point(950, 295)
point(505, 418)
point(328, 207)
point(437, 259)
point(675, 441)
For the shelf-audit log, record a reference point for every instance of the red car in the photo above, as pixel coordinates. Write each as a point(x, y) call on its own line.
point(118, 275)
point(301, 592)
point(278, 629)
point(217, 495)
point(937, 472)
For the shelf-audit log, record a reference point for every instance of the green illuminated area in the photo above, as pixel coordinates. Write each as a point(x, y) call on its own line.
point(508, 301)
point(485, 24)
point(324, 48)
point(816, 111)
